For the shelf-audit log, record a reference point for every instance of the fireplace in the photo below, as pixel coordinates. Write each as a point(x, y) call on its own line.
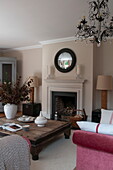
point(64, 88)
point(63, 104)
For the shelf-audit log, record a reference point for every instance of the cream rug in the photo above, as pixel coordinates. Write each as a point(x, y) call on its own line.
point(59, 155)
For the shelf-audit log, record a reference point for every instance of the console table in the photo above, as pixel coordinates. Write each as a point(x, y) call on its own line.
point(96, 115)
point(39, 136)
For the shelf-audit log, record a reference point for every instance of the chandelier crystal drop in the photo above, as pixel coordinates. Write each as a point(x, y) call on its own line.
point(99, 28)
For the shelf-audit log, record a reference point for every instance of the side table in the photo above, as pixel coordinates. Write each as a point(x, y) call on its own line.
point(96, 115)
point(31, 109)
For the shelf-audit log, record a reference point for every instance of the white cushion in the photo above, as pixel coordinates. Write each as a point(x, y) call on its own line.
point(106, 129)
point(106, 116)
point(87, 126)
point(96, 127)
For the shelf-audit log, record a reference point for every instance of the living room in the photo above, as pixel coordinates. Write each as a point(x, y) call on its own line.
point(94, 61)
point(37, 58)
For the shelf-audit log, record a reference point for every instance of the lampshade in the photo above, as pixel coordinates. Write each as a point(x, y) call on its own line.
point(34, 82)
point(104, 82)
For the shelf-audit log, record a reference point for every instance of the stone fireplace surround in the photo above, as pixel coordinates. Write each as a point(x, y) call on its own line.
point(63, 85)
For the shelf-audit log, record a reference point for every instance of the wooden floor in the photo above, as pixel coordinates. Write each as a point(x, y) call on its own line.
point(2, 115)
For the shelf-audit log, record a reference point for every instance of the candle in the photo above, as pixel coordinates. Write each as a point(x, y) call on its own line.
point(78, 69)
point(52, 70)
point(48, 70)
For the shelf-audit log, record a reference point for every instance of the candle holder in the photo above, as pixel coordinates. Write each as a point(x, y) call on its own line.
point(78, 71)
point(50, 72)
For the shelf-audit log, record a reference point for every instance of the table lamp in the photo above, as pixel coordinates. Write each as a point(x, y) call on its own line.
point(104, 83)
point(33, 84)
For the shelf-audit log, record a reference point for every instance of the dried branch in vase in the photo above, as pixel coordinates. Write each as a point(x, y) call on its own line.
point(14, 93)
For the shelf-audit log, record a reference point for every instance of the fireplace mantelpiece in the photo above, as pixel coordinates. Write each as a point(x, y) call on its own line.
point(63, 85)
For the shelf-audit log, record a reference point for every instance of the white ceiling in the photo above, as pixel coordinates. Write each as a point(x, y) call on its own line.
point(29, 22)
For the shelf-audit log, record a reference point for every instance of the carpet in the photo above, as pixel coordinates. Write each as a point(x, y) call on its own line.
point(59, 155)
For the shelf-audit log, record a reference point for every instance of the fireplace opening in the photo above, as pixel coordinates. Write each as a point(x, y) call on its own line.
point(63, 104)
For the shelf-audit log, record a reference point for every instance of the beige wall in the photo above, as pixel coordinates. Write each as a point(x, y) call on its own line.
point(84, 54)
point(35, 62)
point(94, 61)
point(29, 63)
point(103, 64)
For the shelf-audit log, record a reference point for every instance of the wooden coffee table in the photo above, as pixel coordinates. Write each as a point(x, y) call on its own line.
point(39, 136)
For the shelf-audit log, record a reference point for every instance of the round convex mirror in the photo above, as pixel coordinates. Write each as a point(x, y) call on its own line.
point(65, 60)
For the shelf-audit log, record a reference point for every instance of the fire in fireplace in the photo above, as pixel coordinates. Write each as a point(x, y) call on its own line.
point(63, 104)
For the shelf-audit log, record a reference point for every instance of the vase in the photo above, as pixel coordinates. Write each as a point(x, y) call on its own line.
point(40, 120)
point(10, 110)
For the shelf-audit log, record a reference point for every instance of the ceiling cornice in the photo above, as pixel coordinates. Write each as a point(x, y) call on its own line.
point(27, 47)
point(42, 43)
point(57, 40)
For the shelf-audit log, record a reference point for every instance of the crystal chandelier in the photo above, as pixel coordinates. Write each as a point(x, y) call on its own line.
point(99, 27)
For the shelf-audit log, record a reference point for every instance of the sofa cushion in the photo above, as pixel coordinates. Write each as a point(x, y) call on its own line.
point(106, 116)
point(96, 127)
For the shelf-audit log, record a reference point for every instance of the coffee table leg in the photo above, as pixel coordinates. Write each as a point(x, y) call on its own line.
point(35, 150)
point(67, 133)
point(35, 157)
